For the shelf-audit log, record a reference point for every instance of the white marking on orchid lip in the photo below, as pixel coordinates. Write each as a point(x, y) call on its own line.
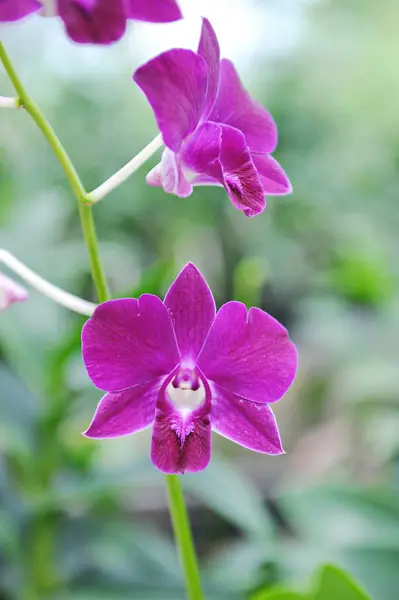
point(185, 385)
point(185, 412)
point(184, 398)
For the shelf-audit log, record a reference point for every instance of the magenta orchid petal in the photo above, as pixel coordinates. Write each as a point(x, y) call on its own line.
point(201, 152)
point(249, 354)
point(154, 177)
point(129, 342)
point(192, 309)
point(93, 21)
point(219, 155)
point(169, 174)
point(181, 443)
point(210, 51)
point(241, 179)
point(274, 179)
point(13, 10)
point(10, 292)
point(123, 413)
point(175, 84)
point(156, 11)
point(250, 424)
point(235, 107)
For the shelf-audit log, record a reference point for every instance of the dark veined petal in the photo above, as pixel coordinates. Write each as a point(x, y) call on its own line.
point(241, 179)
point(156, 11)
point(234, 106)
point(93, 21)
point(249, 354)
point(220, 153)
point(191, 305)
point(210, 51)
point(181, 443)
point(175, 84)
point(13, 10)
point(250, 424)
point(274, 179)
point(125, 412)
point(128, 342)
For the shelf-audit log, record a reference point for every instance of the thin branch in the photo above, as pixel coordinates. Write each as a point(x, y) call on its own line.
point(125, 172)
point(59, 296)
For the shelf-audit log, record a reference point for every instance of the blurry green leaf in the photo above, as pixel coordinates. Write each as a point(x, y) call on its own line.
point(376, 568)
point(79, 490)
point(164, 594)
point(279, 594)
point(247, 562)
point(18, 408)
point(357, 529)
point(249, 278)
point(133, 551)
point(346, 517)
point(228, 492)
point(364, 279)
point(8, 536)
point(58, 361)
point(154, 280)
point(335, 584)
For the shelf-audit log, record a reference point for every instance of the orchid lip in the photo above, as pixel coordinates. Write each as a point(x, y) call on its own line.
point(185, 391)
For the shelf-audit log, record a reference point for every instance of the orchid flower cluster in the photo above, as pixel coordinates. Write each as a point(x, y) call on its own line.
point(179, 365)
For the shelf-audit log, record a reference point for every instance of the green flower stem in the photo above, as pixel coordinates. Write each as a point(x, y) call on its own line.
point(90, 236)
point(183, 537)
point(86, 217)
point(178, 510)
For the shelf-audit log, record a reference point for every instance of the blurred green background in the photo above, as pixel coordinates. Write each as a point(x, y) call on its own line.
point(88, 521)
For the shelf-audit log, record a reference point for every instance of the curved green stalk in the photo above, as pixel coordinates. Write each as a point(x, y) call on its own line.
point(178, 510)
point(183, 536)
point(85, 213)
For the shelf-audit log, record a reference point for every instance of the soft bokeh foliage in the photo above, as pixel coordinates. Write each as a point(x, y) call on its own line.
point(85, 521)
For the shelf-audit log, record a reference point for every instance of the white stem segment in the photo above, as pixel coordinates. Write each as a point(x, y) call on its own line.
point(44, 287)
point(125, 172)
point(9, 102)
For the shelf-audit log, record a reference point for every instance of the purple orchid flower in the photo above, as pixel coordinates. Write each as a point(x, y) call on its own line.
point(95, 21)
point(10, 292)
point(214, 132)
point(185, 370)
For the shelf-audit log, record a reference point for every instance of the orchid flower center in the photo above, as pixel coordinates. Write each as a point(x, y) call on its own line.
point(186, 391)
